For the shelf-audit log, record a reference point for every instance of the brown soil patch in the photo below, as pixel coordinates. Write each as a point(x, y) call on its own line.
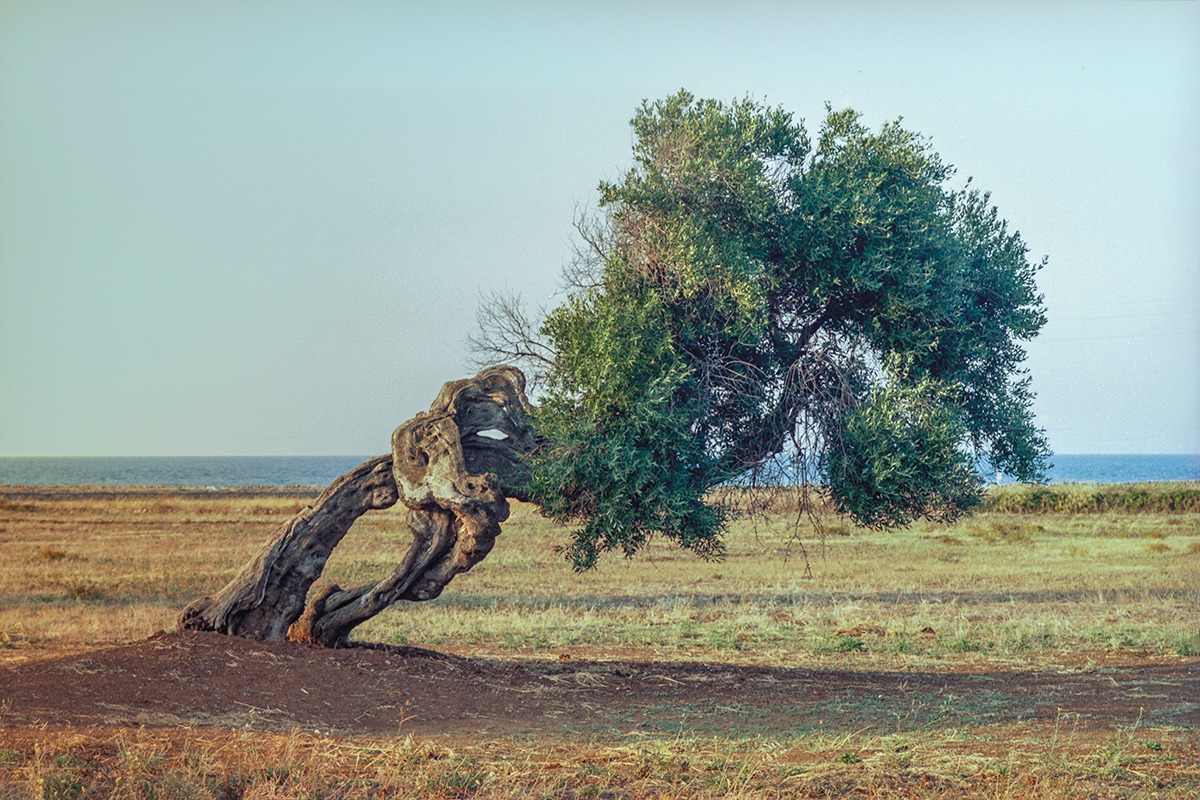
point(210, 680)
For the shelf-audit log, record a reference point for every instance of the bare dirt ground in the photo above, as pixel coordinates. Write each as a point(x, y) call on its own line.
point(172, 680)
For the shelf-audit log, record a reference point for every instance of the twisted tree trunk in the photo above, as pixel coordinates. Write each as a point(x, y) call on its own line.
point(453, 467)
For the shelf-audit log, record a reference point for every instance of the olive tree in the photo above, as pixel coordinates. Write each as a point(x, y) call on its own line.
point(745, 300)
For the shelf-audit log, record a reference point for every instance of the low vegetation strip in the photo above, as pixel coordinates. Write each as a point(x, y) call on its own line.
point(1164, 497)
point(1173, 497)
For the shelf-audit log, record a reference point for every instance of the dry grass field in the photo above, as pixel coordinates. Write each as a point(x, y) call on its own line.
point(1049, 646)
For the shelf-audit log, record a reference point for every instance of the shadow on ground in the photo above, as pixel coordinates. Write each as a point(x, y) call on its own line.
point(211, 680)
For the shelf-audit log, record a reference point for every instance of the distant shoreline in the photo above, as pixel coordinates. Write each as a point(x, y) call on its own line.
point(40, 492)
point(50, 492)
point(284, 472)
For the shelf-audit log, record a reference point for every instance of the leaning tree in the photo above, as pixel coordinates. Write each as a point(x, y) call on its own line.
point(453, 468)
point(745, 305)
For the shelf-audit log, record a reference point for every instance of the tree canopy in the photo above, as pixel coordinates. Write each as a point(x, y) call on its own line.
point(749, 299)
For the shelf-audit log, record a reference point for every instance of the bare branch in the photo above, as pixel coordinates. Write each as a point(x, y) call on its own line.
point(590, 251)
point(507, 335)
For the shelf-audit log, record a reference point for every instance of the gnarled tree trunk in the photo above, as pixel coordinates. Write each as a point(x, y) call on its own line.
point(453, 467)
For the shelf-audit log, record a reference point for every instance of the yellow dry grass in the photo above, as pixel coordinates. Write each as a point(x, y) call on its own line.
point(86, 569)
point(1045, 591)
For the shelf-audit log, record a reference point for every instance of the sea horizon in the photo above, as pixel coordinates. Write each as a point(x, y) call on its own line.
point(244, 471)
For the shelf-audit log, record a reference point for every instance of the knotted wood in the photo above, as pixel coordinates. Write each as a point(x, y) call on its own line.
point(454, 467)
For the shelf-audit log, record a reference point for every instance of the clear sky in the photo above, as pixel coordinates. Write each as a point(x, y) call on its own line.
point(264, 228)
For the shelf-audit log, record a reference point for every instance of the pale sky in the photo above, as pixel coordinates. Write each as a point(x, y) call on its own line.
point(264, 228)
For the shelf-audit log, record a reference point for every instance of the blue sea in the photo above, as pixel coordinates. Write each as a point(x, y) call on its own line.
point(225, 472)
point(203, 471)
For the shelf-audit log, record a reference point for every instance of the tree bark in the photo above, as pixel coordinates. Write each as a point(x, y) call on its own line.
point(269, 593)
point(453, 467)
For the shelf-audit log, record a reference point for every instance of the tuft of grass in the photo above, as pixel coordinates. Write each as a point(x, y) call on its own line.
point(1006, 531)
point(849, 644)
point(86, 590)
point(1188, 645)
point(50, 553)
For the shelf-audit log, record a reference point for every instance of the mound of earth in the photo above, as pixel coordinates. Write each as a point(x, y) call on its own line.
point(206, 679)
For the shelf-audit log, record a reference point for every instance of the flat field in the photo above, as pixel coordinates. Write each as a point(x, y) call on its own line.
point(1048, 646)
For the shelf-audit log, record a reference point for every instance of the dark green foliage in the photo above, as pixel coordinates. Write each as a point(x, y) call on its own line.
point(902, 457)
point(752, 297)
point(623, 458)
